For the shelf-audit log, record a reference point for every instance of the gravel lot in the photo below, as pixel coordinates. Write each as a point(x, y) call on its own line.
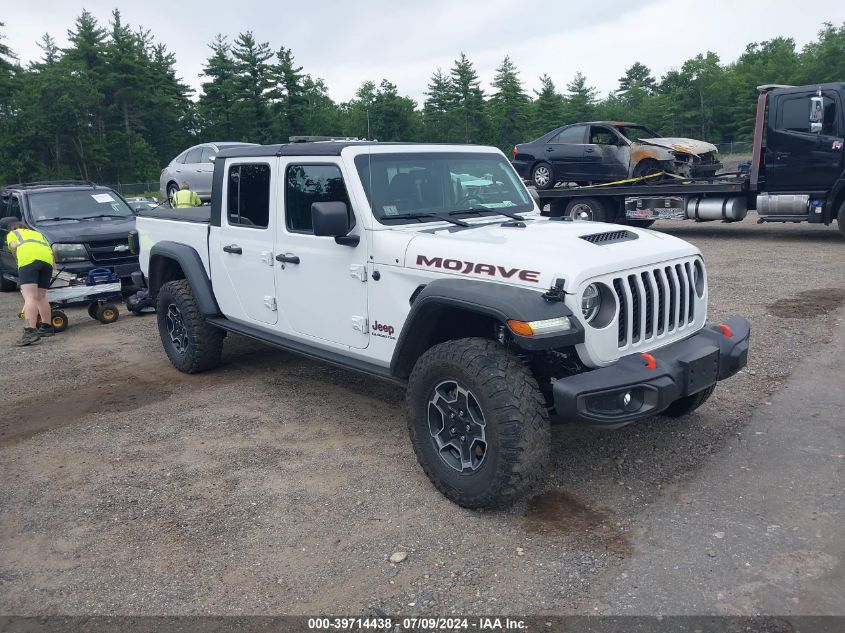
point(277, 485)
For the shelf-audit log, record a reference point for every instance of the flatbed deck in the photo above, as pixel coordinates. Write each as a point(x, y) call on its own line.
point(685, 187)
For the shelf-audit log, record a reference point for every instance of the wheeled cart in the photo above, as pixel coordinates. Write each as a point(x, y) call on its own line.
point(98, 289)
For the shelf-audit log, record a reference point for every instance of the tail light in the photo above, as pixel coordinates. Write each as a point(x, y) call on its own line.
point(514, 151)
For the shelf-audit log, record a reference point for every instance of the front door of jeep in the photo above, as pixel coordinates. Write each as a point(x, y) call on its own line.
point(322, 289)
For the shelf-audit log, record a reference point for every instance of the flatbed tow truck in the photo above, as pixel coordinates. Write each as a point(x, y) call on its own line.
point(797, 173)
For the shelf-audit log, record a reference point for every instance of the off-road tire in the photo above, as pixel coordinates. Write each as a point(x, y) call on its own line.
point(593, 207)
point(516, 422)
point(688, 404)
point(203, 342)
point(550, 182)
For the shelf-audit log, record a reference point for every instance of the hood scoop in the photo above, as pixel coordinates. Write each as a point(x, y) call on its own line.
point(610, 237)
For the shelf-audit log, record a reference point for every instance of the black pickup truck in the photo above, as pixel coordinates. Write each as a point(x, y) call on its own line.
point(87, 224)
point(797, 172)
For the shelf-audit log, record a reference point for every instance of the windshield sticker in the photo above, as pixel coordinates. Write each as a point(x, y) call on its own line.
point(498, 205)
point(102, 197)
point(390, 209)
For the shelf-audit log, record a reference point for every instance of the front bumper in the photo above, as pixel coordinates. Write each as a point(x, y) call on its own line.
point(704, 170)
point(124, 270)
point(522, 168)
point(630, 390)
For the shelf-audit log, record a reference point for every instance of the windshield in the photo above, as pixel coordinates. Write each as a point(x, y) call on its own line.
point(402, 185)
point(77, 205)
point(636, 132)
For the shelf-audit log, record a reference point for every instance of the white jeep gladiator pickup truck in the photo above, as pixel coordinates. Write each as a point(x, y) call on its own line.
point(431, 266)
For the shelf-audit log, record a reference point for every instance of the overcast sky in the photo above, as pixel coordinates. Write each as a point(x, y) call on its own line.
point(347, 43)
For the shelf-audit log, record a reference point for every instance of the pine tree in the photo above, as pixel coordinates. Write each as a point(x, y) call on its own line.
point(216, 102)
point(637, 78)
point(508, 106)
point(51, 52)
point(288, 93)
point(580, 99)
point(253, 80)
point(436, 108)
point(467, 103)
point(547, 108)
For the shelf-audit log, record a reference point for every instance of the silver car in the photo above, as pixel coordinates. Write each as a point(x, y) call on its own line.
point(195, 166)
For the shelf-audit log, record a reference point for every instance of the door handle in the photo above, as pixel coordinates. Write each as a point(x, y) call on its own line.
point(589, 149)
point(233, 248)
point(287, 258)
point(550, 149)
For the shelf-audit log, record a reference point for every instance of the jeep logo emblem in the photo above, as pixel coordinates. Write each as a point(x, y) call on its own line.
point(381, 327)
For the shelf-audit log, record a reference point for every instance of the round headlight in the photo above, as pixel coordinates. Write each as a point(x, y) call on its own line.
point(590, 302)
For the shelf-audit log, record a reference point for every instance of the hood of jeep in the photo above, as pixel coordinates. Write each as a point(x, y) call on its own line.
point(542, 251)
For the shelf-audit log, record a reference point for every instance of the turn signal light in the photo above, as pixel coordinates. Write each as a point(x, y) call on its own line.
point(650, 361)
point(726, 330)
point(536, 328)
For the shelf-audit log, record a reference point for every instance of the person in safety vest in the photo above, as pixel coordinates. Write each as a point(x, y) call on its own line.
point(34, 256)
point(185, 198)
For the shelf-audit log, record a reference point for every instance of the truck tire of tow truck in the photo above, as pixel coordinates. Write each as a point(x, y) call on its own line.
point(586, 209)
point(688, 404)
point(840, 219)
point(478, 423)
point(191, 344)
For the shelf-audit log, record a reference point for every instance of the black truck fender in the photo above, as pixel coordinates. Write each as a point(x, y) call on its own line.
point(446, 309)
point(170, 261)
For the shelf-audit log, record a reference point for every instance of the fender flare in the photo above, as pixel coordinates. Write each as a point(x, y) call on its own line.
point(493, 300)
point(191, 264)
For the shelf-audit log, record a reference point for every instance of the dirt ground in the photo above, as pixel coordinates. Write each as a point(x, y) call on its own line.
point(278, 485)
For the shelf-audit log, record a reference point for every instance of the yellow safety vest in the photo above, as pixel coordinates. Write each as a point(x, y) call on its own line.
point(32, 247)
point(186, 198)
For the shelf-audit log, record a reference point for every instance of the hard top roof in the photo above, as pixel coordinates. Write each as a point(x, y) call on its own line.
point(322, 148)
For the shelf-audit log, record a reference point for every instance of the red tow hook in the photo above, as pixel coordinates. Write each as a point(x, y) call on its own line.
point(725, 330)
point(650, 361)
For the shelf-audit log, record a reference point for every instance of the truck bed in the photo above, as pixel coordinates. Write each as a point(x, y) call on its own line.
point(186, 226)
point(193, 214)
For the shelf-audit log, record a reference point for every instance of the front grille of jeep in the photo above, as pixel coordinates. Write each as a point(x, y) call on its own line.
point(657, 301)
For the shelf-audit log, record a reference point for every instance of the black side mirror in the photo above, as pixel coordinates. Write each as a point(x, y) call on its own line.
point(331, 219)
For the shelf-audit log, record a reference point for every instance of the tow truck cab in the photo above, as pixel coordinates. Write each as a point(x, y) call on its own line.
point(801, 151)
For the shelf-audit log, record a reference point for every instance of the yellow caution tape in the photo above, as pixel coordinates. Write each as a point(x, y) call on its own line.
point(630, 180)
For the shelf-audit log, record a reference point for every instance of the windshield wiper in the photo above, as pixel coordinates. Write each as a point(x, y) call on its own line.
point(60, 217)
point(103, 215)
point(414, 216)
point(512, 216)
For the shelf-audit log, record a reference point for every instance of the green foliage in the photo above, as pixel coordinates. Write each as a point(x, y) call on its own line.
point(547, 110)
point(111, 108)
point(509, 107)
